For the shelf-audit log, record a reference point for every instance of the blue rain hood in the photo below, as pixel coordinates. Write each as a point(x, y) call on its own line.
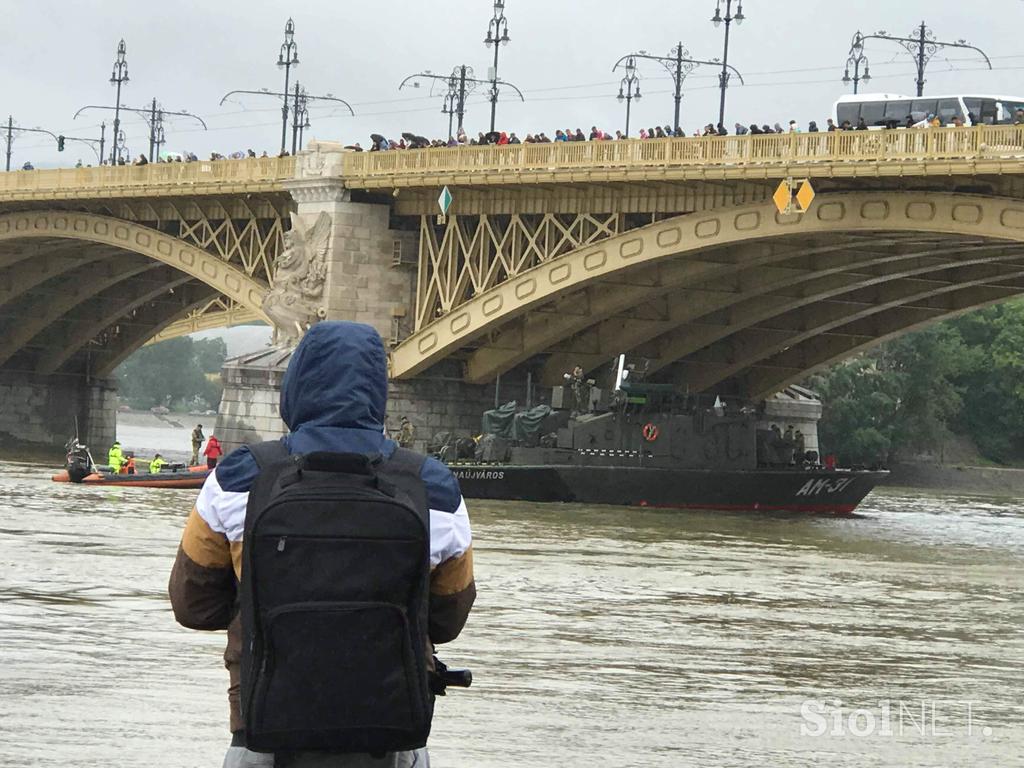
point(335, 391)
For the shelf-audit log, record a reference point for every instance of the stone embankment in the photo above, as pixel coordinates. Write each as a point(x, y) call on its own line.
point(951, 478)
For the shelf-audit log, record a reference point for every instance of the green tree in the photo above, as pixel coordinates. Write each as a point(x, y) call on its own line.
point(168, 373)
point(993, 408)
point(210, 354)
point(896, 399)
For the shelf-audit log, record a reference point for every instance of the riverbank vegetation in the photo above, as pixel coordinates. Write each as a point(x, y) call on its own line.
point(180, 374)
point(917, 394)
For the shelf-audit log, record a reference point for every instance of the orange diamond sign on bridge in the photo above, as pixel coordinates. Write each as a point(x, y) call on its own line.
point(788, 202)
point(804, 197)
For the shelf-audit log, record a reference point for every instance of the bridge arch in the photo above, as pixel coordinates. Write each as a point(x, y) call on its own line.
point(909, 247)
point(99, 274)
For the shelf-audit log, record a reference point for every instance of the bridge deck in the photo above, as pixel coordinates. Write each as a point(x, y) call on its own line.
point(935, 151)
point(152, 180)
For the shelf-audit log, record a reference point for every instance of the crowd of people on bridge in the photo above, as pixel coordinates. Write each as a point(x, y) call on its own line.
point(379, 143)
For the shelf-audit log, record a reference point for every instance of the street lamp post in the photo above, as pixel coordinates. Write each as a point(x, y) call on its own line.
point(497, 35)
point(449, 104)
point(300, 120)
point(678, 64)
point(10, 140)
point(682, 66)
point(922, 45)
point(153, 115)
point(461, 83)
point(629, 88)
point(118, 76)
point(287, 58)
point(301, 100)
point(10, 129)
point(159, 137)
point(855, 59)
point(729, 18)
point(120, 150)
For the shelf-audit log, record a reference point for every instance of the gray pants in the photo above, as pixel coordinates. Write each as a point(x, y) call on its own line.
point(240, 757)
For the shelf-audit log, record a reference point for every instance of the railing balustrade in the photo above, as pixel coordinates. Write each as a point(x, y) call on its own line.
point(1006, 141)
point(152, 175)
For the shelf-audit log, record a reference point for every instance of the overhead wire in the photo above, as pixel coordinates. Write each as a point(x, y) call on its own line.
point(326, 112)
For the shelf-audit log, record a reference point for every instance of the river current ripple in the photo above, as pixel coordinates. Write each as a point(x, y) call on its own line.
point(601, 636)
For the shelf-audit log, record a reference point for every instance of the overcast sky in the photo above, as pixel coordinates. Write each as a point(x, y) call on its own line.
point(188, 54)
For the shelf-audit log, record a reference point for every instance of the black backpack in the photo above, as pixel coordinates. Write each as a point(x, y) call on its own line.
point(334, 596)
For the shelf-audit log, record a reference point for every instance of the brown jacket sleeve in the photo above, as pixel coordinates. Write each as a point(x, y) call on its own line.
point(452, 592)
point(203, 585)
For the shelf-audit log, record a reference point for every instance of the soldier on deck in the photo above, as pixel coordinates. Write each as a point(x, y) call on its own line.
point(197, 443)
point(406, 433)
point(578, 386)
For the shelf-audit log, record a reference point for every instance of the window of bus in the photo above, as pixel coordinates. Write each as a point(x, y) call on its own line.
point(948, 109)
point(896, 112)
point(981, 111)
point(1009, 111)
point(921, 108)
point(873, 113)
point(848, 113)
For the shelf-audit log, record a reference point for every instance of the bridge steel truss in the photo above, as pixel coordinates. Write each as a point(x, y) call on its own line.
point(85, 283)
point(737, 299)
point(469, 255)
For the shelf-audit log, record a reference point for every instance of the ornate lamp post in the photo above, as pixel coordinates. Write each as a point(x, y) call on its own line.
point(287, 58)
point(120, 152)
point(922, 45)
point(728, 18)
point(153, 115)
point(497, 35)
point(461, 83)
point(855, 59)
point(452, 105)
point(118, 76)
point(678, 64)
point(629, 88)
point(301, 118)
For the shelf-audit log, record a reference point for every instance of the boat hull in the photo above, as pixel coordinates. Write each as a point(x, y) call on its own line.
point(192, 478)
point(817, 491)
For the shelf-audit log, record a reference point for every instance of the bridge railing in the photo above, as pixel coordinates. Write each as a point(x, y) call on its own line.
point(762, 150)
point(151, 176)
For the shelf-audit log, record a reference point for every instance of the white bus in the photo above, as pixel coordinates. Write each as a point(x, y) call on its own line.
point(885, 110)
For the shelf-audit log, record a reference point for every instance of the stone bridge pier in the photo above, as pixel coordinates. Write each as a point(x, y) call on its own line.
point(346, 260)
point(44, 410)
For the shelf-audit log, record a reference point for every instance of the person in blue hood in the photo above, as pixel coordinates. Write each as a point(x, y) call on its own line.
point(333, 398)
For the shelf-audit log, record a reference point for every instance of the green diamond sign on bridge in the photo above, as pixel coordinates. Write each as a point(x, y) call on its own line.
point(445, 201)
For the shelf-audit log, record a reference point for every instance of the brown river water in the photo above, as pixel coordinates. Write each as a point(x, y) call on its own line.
point(601, 636)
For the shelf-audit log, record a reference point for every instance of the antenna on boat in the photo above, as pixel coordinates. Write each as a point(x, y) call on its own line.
point(619, 372)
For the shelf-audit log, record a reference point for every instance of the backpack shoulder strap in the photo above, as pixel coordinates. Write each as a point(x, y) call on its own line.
point(405, 460)
point(266, 455)
point(404, 469)
point(269, 453)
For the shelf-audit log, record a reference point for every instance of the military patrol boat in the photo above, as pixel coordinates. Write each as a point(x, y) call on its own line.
point(648, 446)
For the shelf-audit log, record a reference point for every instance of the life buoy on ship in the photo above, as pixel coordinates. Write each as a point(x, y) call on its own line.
point(651, 432)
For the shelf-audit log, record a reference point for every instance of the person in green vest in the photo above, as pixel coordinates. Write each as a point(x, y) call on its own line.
point(115, 458)
point(155, 464)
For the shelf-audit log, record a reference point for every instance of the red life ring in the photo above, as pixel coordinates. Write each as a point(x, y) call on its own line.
point(651, 432)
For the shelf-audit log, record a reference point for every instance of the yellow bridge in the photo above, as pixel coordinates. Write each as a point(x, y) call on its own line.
point(551, 255)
